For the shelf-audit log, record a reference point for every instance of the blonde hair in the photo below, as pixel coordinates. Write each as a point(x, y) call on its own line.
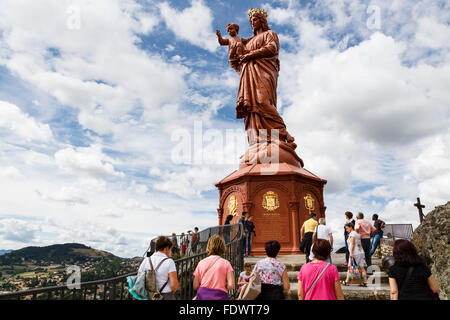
point(216, 246)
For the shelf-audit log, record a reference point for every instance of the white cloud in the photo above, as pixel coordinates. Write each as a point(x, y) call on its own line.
point(431, 168)
point(22, 125)
point(369, 116)
point(433, 34)
point(10, 172)
point(90, 162)
point(18, 230)
point(98, 68)
point(193, 24)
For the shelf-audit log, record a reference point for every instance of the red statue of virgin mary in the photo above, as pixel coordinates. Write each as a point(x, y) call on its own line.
point(257, 97)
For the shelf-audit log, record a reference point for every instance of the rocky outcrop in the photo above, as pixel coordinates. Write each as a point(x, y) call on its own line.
point(431, 239)
point(386, 247)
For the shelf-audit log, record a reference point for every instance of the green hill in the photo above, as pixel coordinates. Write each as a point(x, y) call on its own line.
point(2, 252)
point(68, 253)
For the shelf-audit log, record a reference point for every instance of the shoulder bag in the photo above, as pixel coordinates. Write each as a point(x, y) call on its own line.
point(317, 279)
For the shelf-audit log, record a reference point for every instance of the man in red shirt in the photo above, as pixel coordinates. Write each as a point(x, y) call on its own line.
point(365, 230)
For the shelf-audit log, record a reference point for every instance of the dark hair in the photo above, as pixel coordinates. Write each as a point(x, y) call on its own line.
point(321, 249)
point(350, 224)
point(236, 26)
point(228, 219)
point(348, 214)
point(313, 214)
point(405, 253)
point(196, 228)
point(375, 216)
point(244, 213)
point(387, 262)
point(272, 248)
point(162, 243)
point(360, 215)
point(247, 265)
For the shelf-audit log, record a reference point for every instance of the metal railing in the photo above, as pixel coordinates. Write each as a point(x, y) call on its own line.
point(398, 231)
point(117, 288)
point(107, 289)
point(189, 249)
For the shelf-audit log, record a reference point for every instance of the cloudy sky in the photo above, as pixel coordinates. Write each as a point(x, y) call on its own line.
point(115, 114)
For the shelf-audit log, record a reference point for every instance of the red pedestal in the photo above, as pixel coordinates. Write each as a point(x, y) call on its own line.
point(280, 198)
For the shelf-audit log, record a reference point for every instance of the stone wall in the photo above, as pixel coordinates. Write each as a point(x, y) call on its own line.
point(431, 239)
point(386, 247)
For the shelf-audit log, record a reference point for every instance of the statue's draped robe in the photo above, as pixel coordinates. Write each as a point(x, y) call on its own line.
point(257, 103)
point(257, 96)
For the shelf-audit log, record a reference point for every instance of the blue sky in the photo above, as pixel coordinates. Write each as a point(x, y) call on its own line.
point(94, 94)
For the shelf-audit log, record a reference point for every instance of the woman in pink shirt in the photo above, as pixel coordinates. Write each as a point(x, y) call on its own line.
point(319, 280)
point(214, 275)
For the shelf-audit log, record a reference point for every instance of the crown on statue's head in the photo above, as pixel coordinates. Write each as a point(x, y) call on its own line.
point(252, 11)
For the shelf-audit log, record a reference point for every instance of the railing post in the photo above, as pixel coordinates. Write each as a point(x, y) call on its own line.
point(95, 292)
point(104, 290)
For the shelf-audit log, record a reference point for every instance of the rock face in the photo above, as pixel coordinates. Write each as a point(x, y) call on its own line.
point(386, 247)
point(431, 239)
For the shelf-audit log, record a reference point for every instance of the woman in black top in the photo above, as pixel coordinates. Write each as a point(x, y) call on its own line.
point(409, 277)
point(226, 231)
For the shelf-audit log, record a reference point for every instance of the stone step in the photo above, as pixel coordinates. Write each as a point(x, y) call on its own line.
point(294, 262)
point(384, 278)
point(352, 292)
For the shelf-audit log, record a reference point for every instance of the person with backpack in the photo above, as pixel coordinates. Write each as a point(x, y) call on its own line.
point(319, 279)
point(161, 273)
point(409, 277)
point(214, 275)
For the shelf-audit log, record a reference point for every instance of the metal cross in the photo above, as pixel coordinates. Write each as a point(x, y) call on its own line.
point(420, 207)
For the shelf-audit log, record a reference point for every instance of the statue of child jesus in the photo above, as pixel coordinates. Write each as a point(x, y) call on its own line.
point(236, 45)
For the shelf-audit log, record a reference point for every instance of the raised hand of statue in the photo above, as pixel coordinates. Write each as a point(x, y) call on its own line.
point(219, 35)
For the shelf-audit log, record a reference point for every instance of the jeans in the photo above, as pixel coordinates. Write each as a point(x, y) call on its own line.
point(347, 253)
point(374, 243)
point(248, 244)
point(365, 243)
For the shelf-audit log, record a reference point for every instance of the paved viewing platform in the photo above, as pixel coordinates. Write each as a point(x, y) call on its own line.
point(351, 292)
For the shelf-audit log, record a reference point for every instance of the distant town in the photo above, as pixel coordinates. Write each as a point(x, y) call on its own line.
point(38, 267)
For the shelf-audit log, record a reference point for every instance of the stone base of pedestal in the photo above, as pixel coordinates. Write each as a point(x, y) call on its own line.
point(280, 198)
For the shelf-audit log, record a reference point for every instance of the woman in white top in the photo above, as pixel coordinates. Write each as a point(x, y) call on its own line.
point(356, 252)
point(322, 232)
point(166, 273)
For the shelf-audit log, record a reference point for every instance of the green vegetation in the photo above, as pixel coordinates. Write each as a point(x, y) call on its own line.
point(37, 267)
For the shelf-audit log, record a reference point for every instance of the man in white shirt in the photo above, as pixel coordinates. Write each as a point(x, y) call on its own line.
point(166, 273)
point(323, 232)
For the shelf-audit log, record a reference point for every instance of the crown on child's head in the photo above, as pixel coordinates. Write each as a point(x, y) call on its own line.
point(252, 11)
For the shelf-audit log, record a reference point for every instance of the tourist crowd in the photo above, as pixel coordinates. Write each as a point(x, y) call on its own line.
point(318, 279)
